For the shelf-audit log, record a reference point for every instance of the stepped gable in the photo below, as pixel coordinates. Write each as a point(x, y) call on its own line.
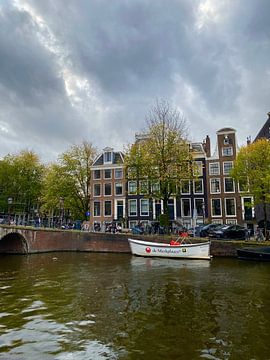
point(265, 130)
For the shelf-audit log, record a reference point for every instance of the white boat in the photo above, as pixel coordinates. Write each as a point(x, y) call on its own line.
point(181, 251)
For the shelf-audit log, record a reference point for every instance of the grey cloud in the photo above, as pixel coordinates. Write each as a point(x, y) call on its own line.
point(131, 52)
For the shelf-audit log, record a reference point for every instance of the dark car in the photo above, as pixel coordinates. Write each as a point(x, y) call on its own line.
point(206, 229)
point(229, 232)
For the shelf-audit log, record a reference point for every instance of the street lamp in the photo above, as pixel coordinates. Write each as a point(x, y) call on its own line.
point(9, 201)
point(61, 201)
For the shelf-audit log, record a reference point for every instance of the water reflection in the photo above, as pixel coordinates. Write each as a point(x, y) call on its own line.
point(143, 263)
point(113, 306)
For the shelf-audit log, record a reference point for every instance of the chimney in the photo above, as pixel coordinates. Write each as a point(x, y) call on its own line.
point(207, 146)
point(249, 140)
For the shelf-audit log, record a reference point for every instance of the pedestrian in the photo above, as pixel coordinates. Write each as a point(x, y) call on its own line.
point(247, 234)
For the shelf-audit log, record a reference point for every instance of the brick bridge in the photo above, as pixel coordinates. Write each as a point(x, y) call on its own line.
point(19, 240)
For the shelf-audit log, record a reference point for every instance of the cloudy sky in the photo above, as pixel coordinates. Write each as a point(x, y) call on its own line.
point(90, 69)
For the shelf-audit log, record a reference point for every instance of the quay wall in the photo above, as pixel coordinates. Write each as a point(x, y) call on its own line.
point(21, 241)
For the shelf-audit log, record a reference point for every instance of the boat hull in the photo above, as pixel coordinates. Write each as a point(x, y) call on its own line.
point(184, 251)
point(257, 254)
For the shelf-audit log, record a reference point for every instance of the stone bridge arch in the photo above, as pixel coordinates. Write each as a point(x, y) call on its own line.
point(13, 243)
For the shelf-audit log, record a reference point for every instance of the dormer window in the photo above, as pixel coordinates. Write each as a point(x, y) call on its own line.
point(108, 157)
point(226, 140)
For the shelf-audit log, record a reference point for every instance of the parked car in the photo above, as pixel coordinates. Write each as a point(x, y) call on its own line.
point(206, 229)
point(229, 232)
point(195, 231)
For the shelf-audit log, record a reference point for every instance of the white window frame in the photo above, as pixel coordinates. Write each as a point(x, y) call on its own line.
point(213, 199)
point(225, 202)
point(115, 185)
point(108, 201)
point(214, 173)
point(140, 186)
point(107, 178)
point(194, 187)
point(132, 223)
point(182, 207)
point(203, 207)
point(99, 208)
point(155, 187)
point(136, 187)
point(185, 193)
point(198, 171)
point(142, 200)
point(115, 172)
point(100, 187)
point(105, 156)
point(129, 201)
point(94, 174)
point(227, 172)
point(225, 151)
point(224, 183)
point(231, 221)
point(216, 180)
point(105, 195)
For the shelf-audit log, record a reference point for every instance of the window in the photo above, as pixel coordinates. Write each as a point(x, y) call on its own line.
point(108, 157)
point(243, 186)
point(118, 189)
point(155, 187)
point(198, 186)
point(132, 187)
point(185, 207)
point(96, 208)
point(231, 222)
point(214, 168)
point(132, 207)
point(198, 168)
point(143, 187)
point(226, 140)
point(118, 173)
point(119, 209)
point(230, 207)
point(97, 174)
point(108, 208)
point(248, 209)
point(144, 207)
point(216, 207)
point(108, 189)
point(214, 186)
point(132, 224)
point(97, 190)
point(228, 185)
point(227, 151)
point(185, 187)
point(199, 206)
point(107, 174)
point(227, 167)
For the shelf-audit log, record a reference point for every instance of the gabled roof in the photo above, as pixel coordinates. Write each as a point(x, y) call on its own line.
point(265, 130)
point(117, 158)
point(226, 130)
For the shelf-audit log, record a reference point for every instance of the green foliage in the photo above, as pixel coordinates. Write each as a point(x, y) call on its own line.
point(252, 170)
point(69, 180)
point(163, 154)
point(20, 179)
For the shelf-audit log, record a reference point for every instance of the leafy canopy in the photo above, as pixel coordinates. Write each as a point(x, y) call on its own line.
point(252, 170)
point(162, 154)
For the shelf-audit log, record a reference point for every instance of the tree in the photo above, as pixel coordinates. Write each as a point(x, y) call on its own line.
point(69, 181)
point(20, 180)
point(252, 171)
point(162, 157)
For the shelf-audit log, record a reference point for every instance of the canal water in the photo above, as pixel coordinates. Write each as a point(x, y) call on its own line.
point(114, 306)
